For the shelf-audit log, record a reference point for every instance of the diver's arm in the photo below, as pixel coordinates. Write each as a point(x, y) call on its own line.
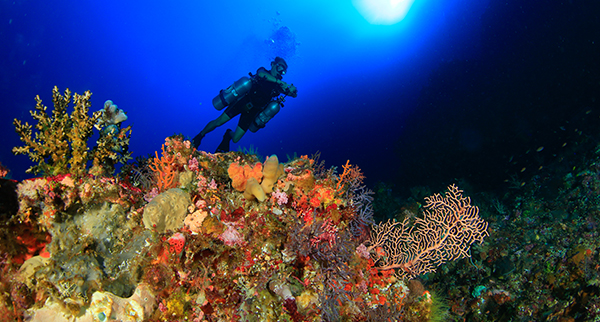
point(270, 78)
point(287, 89)
point(292, 91)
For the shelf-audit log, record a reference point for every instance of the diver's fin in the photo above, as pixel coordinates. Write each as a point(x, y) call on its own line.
point(224, 146)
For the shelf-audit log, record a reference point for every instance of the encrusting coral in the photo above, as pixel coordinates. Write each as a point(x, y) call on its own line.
point(167, 211)
point(60, 143)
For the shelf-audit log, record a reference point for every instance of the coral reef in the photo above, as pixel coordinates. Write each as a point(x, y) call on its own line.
point(60, 143)
point(204, 249)
point(292, 242)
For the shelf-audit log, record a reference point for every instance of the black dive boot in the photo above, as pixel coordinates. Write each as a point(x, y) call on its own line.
point(224, 146)
point(197, 140)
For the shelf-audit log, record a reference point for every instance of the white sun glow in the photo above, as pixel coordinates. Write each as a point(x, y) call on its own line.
point(383, 12)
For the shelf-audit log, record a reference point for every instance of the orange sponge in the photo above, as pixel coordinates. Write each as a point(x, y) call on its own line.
point(240, 174)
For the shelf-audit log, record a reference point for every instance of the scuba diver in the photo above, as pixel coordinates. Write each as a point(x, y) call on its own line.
point(256, 99)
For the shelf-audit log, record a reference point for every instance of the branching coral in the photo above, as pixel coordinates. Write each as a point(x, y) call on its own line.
point(3, 171)
point(351, 178)
point(60, 144)
point(113, 144)
point(164, 170)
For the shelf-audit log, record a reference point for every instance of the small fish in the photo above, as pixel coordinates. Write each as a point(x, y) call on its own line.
point(523, 170)
point(539, 149)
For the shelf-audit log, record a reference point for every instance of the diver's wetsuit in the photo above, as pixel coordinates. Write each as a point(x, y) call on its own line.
point(249, 106)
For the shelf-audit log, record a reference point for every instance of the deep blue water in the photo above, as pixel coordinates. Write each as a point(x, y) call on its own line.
point(457, 90)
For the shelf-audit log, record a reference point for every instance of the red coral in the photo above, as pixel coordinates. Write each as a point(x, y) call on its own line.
point(329, 234)
point(177, 242)
point(234, 216)
point(3, 171)
point(164, 168)
point(291, 307)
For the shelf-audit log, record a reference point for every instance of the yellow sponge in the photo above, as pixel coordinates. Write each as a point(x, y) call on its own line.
point(271, 171)
point(254, 190)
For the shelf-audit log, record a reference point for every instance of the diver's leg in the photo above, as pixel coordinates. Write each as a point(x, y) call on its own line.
point(222, 119)
point(237, 135)
point(228, 137)
point(224, 145)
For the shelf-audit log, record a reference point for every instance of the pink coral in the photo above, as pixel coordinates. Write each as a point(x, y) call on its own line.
point(362, 251)
point(194, 220)
point(201, 183)
point(231, 236)
point(193, 164)
point(200, 204)
point(280, 197)
point(212, 185)
point(150, 195)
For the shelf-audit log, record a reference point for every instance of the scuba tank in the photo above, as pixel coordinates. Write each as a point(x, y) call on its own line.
point(265, 116)
point(233, 93)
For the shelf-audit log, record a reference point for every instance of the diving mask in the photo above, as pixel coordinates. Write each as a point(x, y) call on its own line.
point(281, 69)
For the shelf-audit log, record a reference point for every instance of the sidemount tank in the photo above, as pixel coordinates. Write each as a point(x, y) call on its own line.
point(233, 93)
point(265, 116)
